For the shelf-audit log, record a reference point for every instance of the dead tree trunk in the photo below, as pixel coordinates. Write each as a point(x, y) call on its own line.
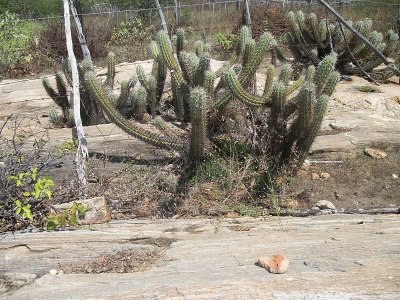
point(82, 152)
point(81, 35)
point(161, 14)
point(176, 12)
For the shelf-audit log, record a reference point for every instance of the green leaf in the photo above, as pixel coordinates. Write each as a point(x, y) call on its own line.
point(27, 212)
point(26, 194)
point(48, 193)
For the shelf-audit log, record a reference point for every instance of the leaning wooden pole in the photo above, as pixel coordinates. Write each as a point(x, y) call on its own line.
point(390, 65)
point(248, 16)
point(161, 14)
point(81, 35)
point(82, 153)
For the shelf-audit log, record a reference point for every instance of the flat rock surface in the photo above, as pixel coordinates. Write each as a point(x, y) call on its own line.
point(360, 118)
point(332, 256)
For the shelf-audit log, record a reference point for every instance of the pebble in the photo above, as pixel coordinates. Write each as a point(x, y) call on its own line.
point(314, 176)
point(375, 153)
point(276, 264)
point(53, 272)
point(325, 175)
point(325, 204)
point(395, 176)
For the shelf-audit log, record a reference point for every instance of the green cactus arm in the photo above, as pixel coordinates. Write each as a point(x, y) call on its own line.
point(177, 98)
point(110, 70)
point(180, 40)
point(277, 105)
point(268, 82)
point(209, 83)
point(310, 73)
point(60, 99)
point(142, 77)
point(315, 28)
point(293, 47)
point(248, 51)
point(239, 92)
point(50, 91)
point(101, 97)
point(123, 98)
point(301, 21)
point(152, 94)
point(61, 87)
point(198, 119)
point(331, 83)
point(392, 40)
point(199, 48)
point(66, 68)
point(140, 102)
point(305, 102)
point(199, 75)
point(154, 50)
point(286, 73)
point(187, 69)
point(313, 128)
point(324, 70)
point(166, 51)
point(290, 89)
point(265, 43)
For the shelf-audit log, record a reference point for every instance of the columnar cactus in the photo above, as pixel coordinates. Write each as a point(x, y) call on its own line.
point(310, 41)
point(289, 112)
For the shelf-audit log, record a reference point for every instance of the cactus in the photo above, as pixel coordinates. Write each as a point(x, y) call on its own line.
point(289, 113)
point(198, 108)
point(310, 43)
point(101, 97)
point(111, 70)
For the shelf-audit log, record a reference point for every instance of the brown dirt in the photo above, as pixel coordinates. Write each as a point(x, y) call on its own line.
point(358, 182)
point(127, 261)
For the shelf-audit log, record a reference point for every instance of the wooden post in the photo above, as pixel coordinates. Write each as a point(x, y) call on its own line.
point(247, 15)
point(160, 13)
point(81, 35)
point(390, 65)
point(176, 12)
point(82, 153)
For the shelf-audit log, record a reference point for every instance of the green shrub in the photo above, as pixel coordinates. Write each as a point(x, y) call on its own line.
point(17, 41)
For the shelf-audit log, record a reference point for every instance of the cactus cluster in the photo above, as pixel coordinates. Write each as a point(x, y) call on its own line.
point(310, 40)
point(91, 114)
point(290, 112)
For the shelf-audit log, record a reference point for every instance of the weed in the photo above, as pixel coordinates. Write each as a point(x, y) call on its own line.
point(68, 216)
point(368, 89)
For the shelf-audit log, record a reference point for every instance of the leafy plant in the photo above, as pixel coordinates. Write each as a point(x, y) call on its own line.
point(17, 39)
point(226, 41)
point(69, 216)
point(30, 188)
point(24, 184)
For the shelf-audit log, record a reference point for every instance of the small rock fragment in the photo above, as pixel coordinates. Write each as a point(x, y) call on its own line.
point(2, 165)
point(314, 176)
point(325, 175)
point(276, 264)
point(60, 272)
point(97, 210)
point(232, 215)
point(375, 153)
point(302, 173)
point(395, 176)
point(53, 272)
point(325, 204)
